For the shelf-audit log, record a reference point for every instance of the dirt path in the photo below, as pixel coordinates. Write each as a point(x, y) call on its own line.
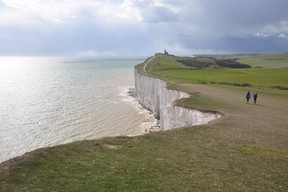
point(144, 68)
point(263, 124)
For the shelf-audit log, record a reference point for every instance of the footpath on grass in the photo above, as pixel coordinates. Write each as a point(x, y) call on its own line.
point(264, 123)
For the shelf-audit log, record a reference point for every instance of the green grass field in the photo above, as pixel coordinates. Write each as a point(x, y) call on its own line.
point(266, 60)
point(245, 150)
point(180, 160)
point(269, 75)
point(254, 76)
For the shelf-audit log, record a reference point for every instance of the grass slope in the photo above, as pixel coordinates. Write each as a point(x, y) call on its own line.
point(168, 68)
point(246, 150)
point(196, 159)
point(255, 76)
point(279, 60)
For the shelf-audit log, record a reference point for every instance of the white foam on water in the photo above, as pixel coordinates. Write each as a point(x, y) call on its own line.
point(150, 122)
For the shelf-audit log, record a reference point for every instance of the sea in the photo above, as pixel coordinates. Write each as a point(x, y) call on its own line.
point(49, 101)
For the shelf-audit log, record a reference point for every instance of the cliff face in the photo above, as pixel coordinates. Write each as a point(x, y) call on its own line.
point(153, 95)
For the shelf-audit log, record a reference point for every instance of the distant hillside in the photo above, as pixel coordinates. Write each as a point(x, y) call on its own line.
point(224, 70)
point(276, 60)
point(211, 63)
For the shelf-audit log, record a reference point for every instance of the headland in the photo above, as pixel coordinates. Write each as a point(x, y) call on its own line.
point(244, 150)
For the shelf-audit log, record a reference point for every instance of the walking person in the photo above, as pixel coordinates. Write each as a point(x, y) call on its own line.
point(255, 98)
point(248, 95)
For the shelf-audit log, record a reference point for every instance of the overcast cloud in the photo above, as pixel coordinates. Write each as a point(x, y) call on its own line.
point(142, 27)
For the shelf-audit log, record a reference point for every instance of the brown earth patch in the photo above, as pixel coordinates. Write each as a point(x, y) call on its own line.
point(112, 146)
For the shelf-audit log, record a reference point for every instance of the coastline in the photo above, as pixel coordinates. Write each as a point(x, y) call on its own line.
point(153, 124)
point(150, 126)
point(246, 150)
point(154, 95)
point(147, 127)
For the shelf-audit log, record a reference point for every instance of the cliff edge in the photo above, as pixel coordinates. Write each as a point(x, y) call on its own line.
point(153, 95)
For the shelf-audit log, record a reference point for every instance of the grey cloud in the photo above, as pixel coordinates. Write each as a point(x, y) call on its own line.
point(222, 25)
point(156, 13)
point(245, 15)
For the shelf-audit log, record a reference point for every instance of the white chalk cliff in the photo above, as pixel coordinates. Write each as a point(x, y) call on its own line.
point(153, 95)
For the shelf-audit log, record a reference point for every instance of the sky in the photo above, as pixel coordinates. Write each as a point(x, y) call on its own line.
point(142, 27)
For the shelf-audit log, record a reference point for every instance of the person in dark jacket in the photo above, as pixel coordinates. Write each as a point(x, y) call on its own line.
point(255, 97)
point(248, 95)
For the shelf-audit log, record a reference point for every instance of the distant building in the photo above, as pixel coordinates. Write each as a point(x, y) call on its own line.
point(165, 52)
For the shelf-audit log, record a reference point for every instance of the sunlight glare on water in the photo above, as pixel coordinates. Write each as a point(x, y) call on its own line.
point(47, 101)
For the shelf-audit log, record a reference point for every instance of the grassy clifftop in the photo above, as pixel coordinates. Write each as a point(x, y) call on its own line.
point(246, 150)
point(279, 60)
point(230, 71)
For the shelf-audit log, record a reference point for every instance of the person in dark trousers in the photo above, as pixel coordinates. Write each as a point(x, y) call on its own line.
point(248, 95)
point(255, 98)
